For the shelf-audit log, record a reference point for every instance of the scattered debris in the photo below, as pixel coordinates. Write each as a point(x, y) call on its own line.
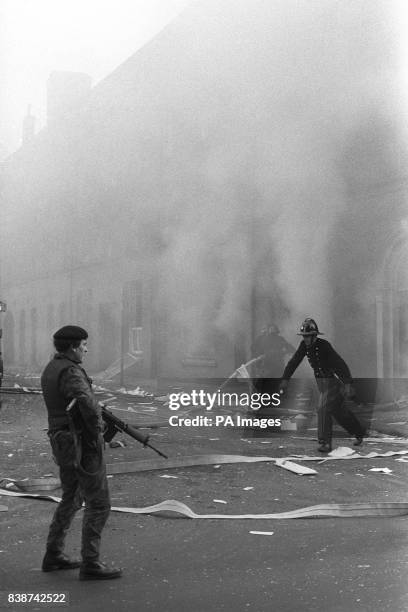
point(262, 532)
point(219, 501)
point(162, 398)
point(117, 444)
point(138, 392)
point(167, 476)
point(294, 467)
point(341, 451)
point(30, 484)
point(383, 470)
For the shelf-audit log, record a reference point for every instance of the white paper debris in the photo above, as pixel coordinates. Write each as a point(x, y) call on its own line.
point(219, 501)
point(167, 476)
point(248, 488)
point(262, 532)
point(341, 451)
point(295, 467)
point(382, 470)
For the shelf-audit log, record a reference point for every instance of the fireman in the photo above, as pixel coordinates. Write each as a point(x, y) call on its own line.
point(334, 382)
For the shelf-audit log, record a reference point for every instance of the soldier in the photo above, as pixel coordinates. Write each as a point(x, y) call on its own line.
point(273, 348)
point(80, 457)
point(333, 379)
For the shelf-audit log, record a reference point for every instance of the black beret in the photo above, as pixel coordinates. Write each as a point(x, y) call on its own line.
point(71, 332)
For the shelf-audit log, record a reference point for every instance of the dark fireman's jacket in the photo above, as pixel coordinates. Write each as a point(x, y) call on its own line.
point(64, 379)
point(325, 362)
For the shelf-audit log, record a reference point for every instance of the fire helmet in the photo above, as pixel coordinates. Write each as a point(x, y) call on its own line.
point(309, 328)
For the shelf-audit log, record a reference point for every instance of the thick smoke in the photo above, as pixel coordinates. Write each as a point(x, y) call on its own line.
point(245, 157)
point(299, 93)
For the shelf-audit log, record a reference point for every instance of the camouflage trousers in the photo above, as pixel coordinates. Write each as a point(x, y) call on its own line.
point(332, 405)
point(86, 483)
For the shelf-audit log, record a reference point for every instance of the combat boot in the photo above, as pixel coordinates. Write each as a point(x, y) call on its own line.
point(58, 561)
point(94, 570)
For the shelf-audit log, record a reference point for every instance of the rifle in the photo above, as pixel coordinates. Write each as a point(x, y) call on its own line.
point(113, 425)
